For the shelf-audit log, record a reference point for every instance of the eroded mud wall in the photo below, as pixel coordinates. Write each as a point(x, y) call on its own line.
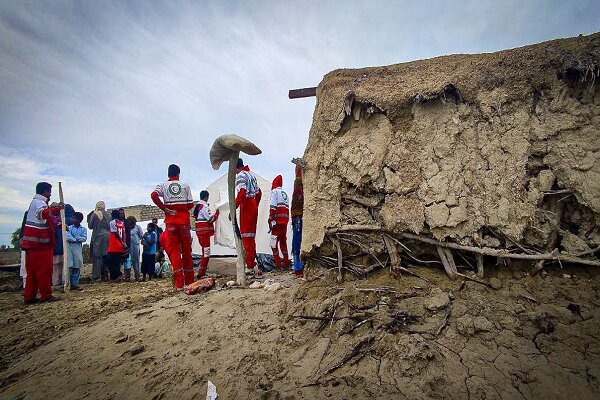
point(485, 149)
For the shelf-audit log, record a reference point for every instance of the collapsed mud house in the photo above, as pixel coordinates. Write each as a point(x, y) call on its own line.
point(469, 155)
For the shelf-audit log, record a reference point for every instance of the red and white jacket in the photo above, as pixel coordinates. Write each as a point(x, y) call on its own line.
point(246, 186)
point(176, 196)
point(204, 219)
point(280, 205)
point(116, 239)
point(38, 230)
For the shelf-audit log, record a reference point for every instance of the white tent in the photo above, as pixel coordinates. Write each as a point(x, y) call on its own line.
point(224, 240)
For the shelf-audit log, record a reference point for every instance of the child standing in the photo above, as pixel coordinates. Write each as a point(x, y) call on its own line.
point(116, 246)
point(149, 253)
point(76, 236)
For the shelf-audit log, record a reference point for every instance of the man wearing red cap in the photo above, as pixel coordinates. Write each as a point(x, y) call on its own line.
point(279, 216)
point(178, 202)
point(247, 199)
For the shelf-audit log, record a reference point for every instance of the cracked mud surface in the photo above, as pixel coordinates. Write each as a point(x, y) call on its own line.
point(535, 337)
point(488, 141)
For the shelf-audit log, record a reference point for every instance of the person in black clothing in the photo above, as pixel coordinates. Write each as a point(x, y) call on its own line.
point(160, 252)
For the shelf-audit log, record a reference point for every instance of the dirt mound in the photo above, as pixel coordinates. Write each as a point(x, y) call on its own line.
point(533, 337)
point(497, 150)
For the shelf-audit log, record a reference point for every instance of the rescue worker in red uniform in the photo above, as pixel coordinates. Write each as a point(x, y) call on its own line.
point(177, 203)
point(204, 229)
point(38, 242)
point(247, 199)
point(279, 216)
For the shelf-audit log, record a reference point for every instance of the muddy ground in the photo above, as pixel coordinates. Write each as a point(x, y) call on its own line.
point(531, 337)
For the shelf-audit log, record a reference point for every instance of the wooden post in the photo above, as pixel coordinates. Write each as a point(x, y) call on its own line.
point(241, 253)
point(480, 271)
point(66, 277)
point(448, 262)
point(395, 260)
point(340, 260)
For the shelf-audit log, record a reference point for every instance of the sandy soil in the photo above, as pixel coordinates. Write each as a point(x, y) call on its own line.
point(532, 337)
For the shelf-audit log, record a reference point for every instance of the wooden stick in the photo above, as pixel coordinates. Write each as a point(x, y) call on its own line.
point(362, 200)
point(340, 260)
point(467, 277)
point(239, 247)
point(66, 275)
point(395, 263)
point(486, 251)
point(448, 262)
point(445, 322)
point(480, 271)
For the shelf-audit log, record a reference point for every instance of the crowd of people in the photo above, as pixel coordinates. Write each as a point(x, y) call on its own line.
point(116, 239)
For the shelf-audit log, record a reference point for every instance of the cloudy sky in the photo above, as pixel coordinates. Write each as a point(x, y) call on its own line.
point(103, 95)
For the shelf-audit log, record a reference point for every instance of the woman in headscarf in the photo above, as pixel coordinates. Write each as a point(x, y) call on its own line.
point(98, 221)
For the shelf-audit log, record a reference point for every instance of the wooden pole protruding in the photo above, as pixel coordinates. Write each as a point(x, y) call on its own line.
point(304, 92)
point(66, 277)
point(240, 263)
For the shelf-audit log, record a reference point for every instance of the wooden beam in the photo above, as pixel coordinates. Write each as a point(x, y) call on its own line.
point(304, 92)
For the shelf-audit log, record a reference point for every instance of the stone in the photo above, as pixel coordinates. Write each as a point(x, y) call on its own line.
point(496, 283)
point(437, 301)
point(465, 325)
point(122, 339)
point(136, 349)
point(482, 324)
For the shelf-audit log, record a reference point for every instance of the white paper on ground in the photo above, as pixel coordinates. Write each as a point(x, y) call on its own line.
point(211, 391)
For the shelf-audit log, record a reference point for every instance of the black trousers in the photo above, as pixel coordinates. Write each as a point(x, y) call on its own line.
point(113, 261)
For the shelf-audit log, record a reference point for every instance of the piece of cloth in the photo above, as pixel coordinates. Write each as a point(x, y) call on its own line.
point(57, 269)
point(99, 242)
point(38, 264)
point(298, 195)
point(148, 264)
point(176, 196)
point(297, 242)
point(116, 241)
